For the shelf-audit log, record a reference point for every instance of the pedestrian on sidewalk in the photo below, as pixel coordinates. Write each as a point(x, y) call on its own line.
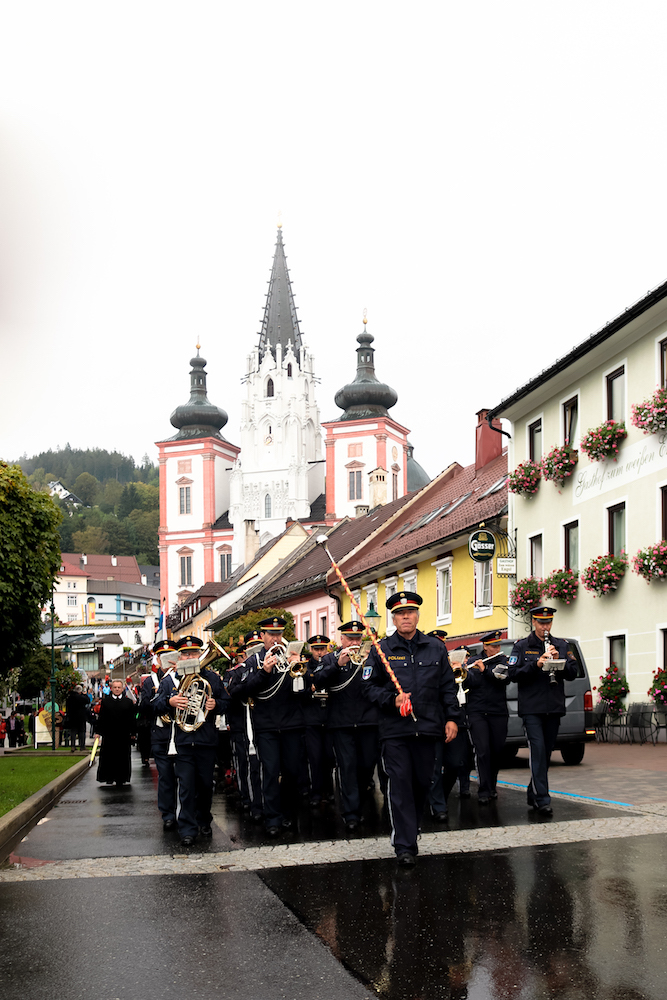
point(77, 717)
point(116, 725)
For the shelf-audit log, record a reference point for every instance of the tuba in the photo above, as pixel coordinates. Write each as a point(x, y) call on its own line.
point(213, 653)
point(197, 690)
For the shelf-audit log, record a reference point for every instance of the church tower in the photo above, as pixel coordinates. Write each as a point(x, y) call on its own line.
point(280, 474)
point(195, 536)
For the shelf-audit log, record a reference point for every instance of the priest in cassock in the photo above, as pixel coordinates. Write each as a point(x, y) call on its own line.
point(117, 725)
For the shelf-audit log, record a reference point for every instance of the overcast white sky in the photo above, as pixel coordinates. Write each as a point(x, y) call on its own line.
point(487, 179)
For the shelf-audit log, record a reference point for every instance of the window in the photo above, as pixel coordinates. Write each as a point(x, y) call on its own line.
point(354, 485)
point(394, 486)
point(570, 410)
point(69, 584)
point(535, 441)
point(323, 625)
point(267, 505)
point(571, 545)
point(225, 565)
point(616, 394)
point(536, 556)
point(289, 370)
point(186, 571)
point(127, 605)
point(443, 591)
point(354, 614)
point(100, 607)
point(616, 528)
point(184, 500)
point(483, 588)
point(354, 450)
point(71, 618)
point(390, 588)
point(269, 387)
point(71, 600)
point(663, 511)
point(617, 652)
point(306, 630)
point(74, 585)
point(662, 350)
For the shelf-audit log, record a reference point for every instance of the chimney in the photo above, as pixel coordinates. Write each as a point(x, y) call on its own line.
point(144, 579)
point(114, 561)
point(251, 547)
point(84, 560)
point(377, 488)
point(488, 443)
point(361, 510)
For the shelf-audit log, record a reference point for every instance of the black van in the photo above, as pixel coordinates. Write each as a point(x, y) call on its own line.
point(577, 726)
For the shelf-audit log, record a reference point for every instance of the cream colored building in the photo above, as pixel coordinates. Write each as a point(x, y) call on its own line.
point(604, 506)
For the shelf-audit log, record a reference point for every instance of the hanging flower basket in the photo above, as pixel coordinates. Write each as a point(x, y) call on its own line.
point(603, 442)
point(559, 464)
point(525, 478)
point(651, 562)
point(561, 585)
point(651, 415)
point(658, 689)
point(613, 689)
point(602, 575)
point(526, 595)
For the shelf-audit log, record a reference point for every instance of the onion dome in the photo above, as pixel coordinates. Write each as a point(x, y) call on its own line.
point(366, 396)
point(417, 477)
point(198, 418)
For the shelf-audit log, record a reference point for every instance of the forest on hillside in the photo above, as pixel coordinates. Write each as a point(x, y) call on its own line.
point(121, 512)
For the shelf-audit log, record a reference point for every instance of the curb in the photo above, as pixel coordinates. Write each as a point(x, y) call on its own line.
point(15, 824)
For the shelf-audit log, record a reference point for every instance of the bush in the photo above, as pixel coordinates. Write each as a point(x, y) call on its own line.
point(658, 689)
point(603, 442)
point(559, 464)
point(525, 478)
point(561, 585)
point(651, 562)
point(604, 573)
point(651, 415)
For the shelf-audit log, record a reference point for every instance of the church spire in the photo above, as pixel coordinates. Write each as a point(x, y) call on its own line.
point(366, 396)
point(280, 324)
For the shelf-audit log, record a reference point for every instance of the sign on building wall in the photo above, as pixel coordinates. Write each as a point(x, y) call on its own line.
point(482, 545)
point(634, 462)
point(505, 566)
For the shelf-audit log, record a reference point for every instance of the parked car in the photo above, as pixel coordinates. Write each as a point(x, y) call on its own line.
point(577, 726)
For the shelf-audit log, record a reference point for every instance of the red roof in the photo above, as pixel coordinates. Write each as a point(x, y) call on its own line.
point(455, 502)
point(126, 569)
point(67, 569)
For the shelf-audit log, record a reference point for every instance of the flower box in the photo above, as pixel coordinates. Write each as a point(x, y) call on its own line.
point(525, 479)
point(603, 442)
point(559, 464)
point(603, 574)
point(612, 690)
point(651, 562)
point(651, 415)
point(561, 585)
point(526, 595)
point(658, 689)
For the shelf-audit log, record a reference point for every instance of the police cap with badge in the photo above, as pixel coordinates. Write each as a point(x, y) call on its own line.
point(438, 633)
point(164, 646)
point(318, 641)
point(272, 625)
point(189, 642)
point(404, 600)
point(351, 628)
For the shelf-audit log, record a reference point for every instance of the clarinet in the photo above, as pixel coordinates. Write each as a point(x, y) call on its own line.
point(547, 648)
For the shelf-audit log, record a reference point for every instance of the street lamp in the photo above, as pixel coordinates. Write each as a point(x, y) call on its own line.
point(372, 613)
point(53, 675)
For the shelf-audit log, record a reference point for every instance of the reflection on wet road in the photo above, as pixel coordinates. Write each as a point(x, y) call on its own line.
point(573, 921)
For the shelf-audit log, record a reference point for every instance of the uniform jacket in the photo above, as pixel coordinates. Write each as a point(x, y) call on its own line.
point(537, 695)
point(275, 704)
point(486, 693)
point(315, 710)
point(236, 719)
point(77, 709)
point(426, 674)
point(207, 734)
point(347, 707)
point(159, 733)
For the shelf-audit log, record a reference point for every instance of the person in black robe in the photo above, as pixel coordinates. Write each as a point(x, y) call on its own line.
point(117, 725)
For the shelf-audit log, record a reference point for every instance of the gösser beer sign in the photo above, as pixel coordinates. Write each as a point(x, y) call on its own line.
point(482, 546)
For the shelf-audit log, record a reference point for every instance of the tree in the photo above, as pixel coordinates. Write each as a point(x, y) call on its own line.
point(129, 501)
point(86, 488)
point(92, 540)
point(30, 547)
point(36, 673)
point(146, 523)
point(230, 634)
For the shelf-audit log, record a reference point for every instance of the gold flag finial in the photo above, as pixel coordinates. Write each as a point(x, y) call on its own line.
point(280, 219)
point(365, 320)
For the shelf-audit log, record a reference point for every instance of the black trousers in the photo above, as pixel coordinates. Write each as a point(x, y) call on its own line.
point(166, 780)
point(488, 734)
point(541, 732)
point(321, 762)
point(457, 762)
point(194, 765)
point(79, 731)
point(357, 750)
point(280, 757)
point(247, 769)
point(408, 762)
point(437, 799)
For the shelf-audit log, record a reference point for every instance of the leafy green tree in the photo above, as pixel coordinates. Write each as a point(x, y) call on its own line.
point(230, 634)
point(91, 539)
point(111, 495)
point(129, 501)
point(149, 496)
point(146, 523)
point(30, 547)
point(86, 487)
point(36, 672)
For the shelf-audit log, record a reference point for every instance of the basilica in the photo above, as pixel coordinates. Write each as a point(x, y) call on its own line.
point(220, 502)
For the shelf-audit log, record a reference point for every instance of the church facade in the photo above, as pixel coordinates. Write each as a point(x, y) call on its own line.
point(220, 502)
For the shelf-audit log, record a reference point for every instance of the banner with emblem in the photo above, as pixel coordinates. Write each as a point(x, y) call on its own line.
point(482, 545)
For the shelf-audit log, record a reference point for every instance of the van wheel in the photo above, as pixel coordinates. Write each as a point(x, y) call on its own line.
point(573, 753)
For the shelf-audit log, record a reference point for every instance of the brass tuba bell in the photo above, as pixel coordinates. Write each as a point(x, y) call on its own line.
point(212, 653)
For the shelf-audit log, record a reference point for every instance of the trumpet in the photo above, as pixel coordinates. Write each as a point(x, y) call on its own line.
point(358, 654)
point(282, 652)
point(460, 672)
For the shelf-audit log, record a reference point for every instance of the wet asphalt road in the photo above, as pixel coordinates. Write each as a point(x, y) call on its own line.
point(574, 921)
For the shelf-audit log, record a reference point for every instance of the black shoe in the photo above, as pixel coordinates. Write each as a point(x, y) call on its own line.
point(406, 860)
point(482, 800)
point(351, 825)
point(206, 831)
point(288, 824)
point(187, 841)
point(256, 817)
point(493, 795)
point(315, 802)
point(440, 817)
point(169, 824)
point(273, 831)
point(464, 795)
point(545, 811)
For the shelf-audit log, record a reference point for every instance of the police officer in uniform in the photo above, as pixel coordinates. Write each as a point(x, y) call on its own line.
point(437, 800)
point(277, 722)
point(541, 698)
point(319, 749)
point(194, 763)
point(421, 665)
point(161, 734)
point(353, 723)
point(244, 754)
point(487, 712)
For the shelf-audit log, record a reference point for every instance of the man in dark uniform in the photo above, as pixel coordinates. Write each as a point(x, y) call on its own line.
point(244, 753)
point(487, 712)
point(194, 763)
point(319, 749)
point(421, 665)
point(77, 716)
point(277, 722)
point(541, 698)
point(437, 800)
point(353, 722)
point(165, 653)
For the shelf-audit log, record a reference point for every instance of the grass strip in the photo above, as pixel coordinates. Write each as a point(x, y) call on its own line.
point(21, 777)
